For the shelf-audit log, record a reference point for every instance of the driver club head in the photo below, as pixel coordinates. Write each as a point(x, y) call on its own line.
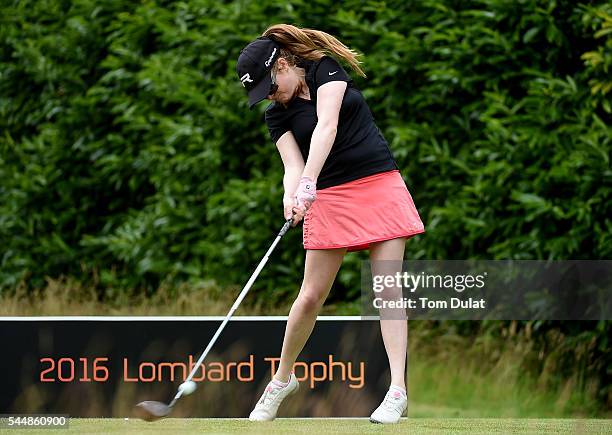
point(150, 410)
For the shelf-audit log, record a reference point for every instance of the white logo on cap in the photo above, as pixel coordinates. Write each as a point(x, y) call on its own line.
point(332, 73)
point(246, 78)
point(269, 61)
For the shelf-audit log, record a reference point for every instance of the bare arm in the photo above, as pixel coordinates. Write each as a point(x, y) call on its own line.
point(329, 100)
point(292, 160)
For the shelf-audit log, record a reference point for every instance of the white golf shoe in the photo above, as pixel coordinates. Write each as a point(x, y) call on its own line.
point(391, 408)
point(270, 400)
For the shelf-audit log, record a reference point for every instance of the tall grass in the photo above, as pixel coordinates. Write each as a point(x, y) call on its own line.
point(489, 376)
point(66, 297)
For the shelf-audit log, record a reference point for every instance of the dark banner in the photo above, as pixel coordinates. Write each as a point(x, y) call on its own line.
point(102, 368)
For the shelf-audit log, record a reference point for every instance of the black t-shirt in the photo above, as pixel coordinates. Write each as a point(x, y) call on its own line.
point(359, 149)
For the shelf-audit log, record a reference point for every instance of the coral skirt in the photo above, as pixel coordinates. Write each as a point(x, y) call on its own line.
point(367, 210)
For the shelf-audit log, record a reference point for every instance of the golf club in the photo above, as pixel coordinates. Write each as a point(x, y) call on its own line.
point(150, 410)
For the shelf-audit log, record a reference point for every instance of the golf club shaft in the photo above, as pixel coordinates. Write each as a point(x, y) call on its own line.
point(243, 293)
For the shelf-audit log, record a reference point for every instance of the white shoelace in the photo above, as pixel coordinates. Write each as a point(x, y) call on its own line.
point(392, 403)
point(270, 393)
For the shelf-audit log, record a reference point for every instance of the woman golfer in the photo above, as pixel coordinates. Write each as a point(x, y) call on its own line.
point(340, 177)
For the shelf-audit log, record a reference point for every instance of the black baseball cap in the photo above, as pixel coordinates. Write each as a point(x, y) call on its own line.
point(254, 65)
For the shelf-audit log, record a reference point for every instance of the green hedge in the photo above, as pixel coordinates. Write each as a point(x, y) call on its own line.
point(129, 157)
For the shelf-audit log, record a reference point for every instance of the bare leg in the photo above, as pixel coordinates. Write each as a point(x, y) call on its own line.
point(394, 331)
point(319, 274)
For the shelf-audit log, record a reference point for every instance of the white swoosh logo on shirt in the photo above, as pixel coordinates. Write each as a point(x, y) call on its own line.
point(331, 74)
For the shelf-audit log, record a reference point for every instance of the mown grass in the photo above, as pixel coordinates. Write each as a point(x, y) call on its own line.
point(333, 426)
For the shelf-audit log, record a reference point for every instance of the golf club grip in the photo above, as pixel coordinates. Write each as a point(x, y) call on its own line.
point(285, 227)
point(241, 296)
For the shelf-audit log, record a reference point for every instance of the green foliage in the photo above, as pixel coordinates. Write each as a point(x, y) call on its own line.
point(125, 131)
point(128, 150)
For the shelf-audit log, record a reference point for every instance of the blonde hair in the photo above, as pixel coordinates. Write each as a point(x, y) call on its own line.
point(311, 44)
